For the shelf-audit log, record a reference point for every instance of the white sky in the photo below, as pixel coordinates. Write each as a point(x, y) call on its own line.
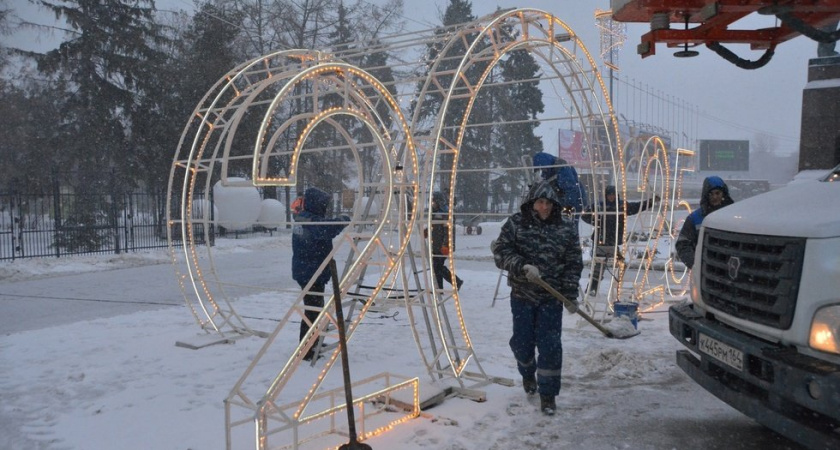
point(733, 103)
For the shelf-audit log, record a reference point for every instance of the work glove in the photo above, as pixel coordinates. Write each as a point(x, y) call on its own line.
point(572, 306)
point(532, 273)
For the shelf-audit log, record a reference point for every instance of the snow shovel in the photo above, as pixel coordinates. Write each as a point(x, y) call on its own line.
point(619, 332)
point(354, 444)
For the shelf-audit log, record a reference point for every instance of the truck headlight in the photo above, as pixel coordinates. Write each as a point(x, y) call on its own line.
point(825, 330)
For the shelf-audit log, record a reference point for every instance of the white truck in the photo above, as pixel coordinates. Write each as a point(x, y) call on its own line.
point(763, 329)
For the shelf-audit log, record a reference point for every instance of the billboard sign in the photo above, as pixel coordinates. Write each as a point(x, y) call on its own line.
point(571, 148)
point(724, 155)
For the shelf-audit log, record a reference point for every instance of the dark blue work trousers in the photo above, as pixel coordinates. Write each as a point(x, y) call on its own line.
point(536, 342)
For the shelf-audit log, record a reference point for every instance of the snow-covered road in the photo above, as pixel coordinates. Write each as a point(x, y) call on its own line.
point(88, 362)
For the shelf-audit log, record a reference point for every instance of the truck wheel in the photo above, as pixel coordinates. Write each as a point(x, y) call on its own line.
point(469, 229)
point(478, 230)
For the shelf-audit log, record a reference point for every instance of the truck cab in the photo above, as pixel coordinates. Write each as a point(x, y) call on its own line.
point(762, 331)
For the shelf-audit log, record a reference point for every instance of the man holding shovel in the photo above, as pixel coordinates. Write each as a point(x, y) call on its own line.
point(538, 244)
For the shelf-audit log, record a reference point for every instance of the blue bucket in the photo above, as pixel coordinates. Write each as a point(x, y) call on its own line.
point(627, 309)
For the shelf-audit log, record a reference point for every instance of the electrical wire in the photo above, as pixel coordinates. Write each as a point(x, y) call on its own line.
point(100, 300)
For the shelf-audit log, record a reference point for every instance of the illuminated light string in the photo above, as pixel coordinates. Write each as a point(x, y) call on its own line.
point(187, 230)
point(188, 235)
point(498, 53)
point(382, 395)
point(340, 70)
point(673, 279)
point(657, 160)
point(326, 113)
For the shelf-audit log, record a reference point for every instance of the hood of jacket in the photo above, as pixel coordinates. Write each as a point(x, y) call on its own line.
point(543, 189)
point(610, 205)
point(542, 159)
point(316, 201)
point(440, 200)
point(709, 184)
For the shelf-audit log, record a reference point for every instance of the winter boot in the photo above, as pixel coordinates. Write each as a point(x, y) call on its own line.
point(547, 405)
point(529, 383)
point(592, 289)
point(459, 282)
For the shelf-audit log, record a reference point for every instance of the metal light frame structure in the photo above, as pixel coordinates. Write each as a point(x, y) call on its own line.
point(292, 93)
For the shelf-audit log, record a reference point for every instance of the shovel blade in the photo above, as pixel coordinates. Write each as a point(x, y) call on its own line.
point(621, 329)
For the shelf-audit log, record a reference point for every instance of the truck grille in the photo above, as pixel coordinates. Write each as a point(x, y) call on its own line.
point(752, 277)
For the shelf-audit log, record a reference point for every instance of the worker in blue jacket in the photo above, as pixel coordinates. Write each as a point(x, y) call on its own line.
point(713, 196)
point(311, 245)
point(564, 178)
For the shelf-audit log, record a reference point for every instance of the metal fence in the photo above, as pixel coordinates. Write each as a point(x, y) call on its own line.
point(59, 224)
point(63, 223)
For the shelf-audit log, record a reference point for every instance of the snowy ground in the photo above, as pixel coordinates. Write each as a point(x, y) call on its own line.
point(88, 361)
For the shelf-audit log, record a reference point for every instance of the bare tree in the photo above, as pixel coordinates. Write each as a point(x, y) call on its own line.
point(328, 25)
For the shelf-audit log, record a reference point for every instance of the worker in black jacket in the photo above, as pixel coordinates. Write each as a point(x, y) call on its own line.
point(609, 230)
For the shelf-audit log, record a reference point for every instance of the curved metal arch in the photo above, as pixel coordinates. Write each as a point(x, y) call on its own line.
point(511, 46)
point(376, 250)
point(351, 274)
point(473, 53)
point(339, 70)
point(652, 180)
point(210, 128)
point(209, 312)
point(677, 282)
point(543, 34)
point(603, 171)
point(243, 84)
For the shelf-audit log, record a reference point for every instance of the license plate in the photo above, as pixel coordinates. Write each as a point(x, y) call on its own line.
point(726, 354)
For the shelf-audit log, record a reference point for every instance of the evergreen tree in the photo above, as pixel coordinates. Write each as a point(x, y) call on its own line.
point(103, 63)
point(210, 49)
point(330, 24)
point(272, 25)
point(358, 29)
point(197, 53)
point(510, 96)
point(328, 135)
point(161, 114)
point(377, 64)
point(26, 156)
point(519, 103)
point(346, 43)
point(458, 11)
